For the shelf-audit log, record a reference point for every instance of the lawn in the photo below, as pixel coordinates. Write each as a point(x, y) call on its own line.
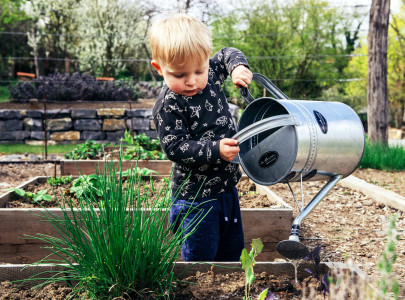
point(24, 148)
point(4, 94)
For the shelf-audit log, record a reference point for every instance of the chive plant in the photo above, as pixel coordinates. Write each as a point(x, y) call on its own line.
point(112, 247)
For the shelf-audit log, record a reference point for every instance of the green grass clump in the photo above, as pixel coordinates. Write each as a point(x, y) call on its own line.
point(110, 246)
point(4, 93)
point(381, 157)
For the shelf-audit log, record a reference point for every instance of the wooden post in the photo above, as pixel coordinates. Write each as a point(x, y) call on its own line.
point(67, 65)
point(45, 130)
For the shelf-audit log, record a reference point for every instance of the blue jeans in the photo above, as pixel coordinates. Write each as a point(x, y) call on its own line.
point(219, 232)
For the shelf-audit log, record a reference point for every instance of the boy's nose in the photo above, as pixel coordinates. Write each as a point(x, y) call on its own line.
point(191, 80)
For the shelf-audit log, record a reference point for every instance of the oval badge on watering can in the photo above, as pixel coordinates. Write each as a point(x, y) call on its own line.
point(268, 159)
point(323, 124)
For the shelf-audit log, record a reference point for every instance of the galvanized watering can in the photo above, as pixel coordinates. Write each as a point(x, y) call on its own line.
point(283, 140)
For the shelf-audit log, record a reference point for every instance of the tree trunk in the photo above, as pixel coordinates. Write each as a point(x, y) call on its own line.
point(148, 63)
point(35, 50)
point(377, 91)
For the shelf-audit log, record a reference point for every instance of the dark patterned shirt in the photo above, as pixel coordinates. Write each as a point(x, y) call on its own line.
point(190, 128)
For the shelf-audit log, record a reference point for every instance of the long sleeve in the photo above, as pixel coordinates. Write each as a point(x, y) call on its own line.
point(225, 60)
point(190, 130)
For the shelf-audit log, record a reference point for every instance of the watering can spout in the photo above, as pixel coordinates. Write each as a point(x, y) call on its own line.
point(293, 248)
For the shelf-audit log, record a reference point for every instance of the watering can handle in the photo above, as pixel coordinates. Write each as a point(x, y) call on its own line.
point(265, 124)
point(267, 84)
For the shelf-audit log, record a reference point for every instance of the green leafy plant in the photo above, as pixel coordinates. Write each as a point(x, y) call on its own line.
point(88, 150)
point(55, 181)
point(34, 198)
point(128, 138)
point(142, 147)
point(92, 185)
point(388, 283)
point(117, 249)
point(41, 196)
point(248, 261)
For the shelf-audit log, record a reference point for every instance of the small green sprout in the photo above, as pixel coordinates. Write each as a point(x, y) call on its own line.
point(248, 261)
point(35, 198)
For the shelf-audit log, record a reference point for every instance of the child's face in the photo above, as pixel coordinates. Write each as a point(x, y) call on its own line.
point(187, 80)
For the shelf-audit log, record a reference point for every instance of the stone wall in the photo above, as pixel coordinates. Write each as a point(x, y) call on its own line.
point(76, 125)
point(73, 126)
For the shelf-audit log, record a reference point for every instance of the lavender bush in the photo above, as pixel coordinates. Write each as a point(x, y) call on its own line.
point(73, 87)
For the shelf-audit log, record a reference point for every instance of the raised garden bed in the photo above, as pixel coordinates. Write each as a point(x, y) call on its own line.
point(270, 224)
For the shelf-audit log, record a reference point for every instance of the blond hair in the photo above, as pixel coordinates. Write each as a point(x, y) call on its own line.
point(179, 39)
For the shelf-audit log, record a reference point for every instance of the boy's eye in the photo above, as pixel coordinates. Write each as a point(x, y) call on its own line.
point(178, 75)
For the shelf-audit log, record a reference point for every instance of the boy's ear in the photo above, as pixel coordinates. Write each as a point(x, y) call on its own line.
point(157, 67)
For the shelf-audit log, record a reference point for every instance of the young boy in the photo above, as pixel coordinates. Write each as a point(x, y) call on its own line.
point(194, 126)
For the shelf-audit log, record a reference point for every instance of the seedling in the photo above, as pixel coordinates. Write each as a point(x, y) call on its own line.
point(41, 196)
point(54, 181)
point(142, 172)
point(34, 198)
point(248, 261)
point(323, 282)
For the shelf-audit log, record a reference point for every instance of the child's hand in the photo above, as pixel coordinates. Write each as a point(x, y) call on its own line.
point(228, 149)
point(241, 76)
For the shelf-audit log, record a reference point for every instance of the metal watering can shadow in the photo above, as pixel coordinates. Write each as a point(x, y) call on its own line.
point(283, 140)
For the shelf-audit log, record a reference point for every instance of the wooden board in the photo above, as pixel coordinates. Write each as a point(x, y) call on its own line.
point(87, 167)
point(271, 225)
point(375, 192)
point(185, 269)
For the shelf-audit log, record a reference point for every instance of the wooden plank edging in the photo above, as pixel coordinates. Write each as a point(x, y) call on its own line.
point(375, 192)
point(77, 167)
point(13, 272)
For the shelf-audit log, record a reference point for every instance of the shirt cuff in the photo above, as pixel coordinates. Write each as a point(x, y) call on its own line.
point(215, 155)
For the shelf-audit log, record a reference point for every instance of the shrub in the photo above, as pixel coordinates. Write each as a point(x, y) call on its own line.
point(113, 248)
point(142, 147)
point(72, 87)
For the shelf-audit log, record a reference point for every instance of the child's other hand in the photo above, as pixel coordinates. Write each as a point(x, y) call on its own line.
point(228, 149)
point(241, 76)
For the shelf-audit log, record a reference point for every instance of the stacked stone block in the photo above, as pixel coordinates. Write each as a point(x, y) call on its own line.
point(73, 125)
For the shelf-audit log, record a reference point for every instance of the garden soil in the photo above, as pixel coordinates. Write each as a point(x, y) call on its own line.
point(248, 196)
point(346, 224)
